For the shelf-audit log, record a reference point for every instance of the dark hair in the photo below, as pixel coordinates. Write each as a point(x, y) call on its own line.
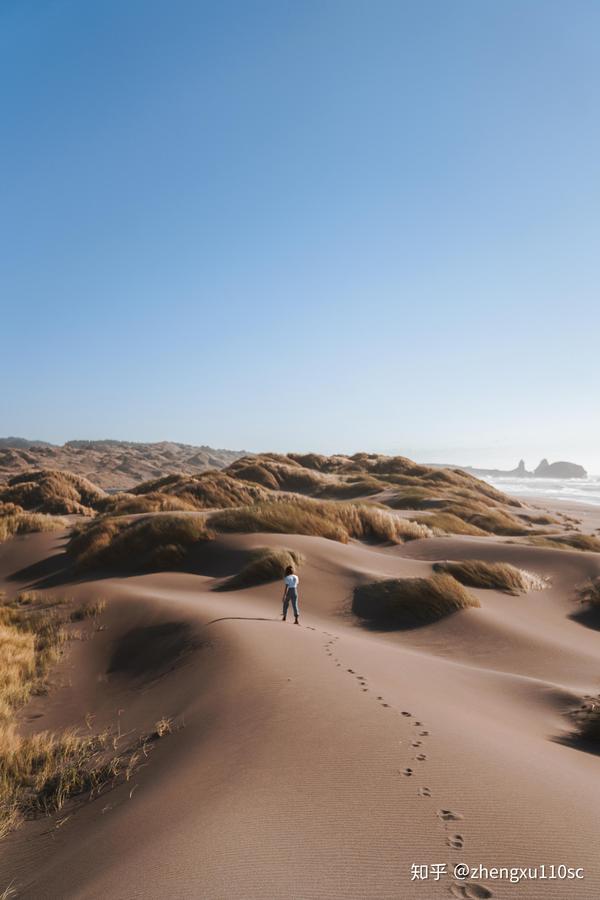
point(289, 570)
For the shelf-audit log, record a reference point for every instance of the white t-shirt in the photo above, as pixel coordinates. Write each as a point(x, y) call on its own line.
point(291, 581)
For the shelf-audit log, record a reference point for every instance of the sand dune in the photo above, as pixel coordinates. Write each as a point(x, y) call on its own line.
point(110, 464)
point(320, 761)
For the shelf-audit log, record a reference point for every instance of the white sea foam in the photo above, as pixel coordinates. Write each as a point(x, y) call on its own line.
point(584, 490)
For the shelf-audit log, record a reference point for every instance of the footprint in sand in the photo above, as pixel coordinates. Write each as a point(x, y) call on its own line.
point(352, 672)
point(471, 891)
point(416, 743)
point(407, 772)
point(417, 724)
point(424, 792)
point(423, 733)
point(404, 713)
point(421, 757)
point(365, 689)
point(446, 815)
point(456, 841)
point(386, 704)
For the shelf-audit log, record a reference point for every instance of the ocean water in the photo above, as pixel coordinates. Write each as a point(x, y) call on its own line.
point(584, 490)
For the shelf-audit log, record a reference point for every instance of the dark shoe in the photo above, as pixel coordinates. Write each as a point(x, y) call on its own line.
point(296, 622)
point(283, 618)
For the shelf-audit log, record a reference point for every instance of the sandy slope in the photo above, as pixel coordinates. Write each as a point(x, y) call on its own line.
point(291, 778)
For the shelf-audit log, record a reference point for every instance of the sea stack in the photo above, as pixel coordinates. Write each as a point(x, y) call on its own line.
point(559, 470)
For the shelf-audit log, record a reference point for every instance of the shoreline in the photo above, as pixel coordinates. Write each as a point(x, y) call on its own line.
point(587, 513)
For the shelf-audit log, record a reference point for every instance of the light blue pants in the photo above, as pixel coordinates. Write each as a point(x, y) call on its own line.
point(291, 594)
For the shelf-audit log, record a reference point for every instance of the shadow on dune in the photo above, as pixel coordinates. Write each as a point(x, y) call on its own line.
point(242, 619)
point(50, 572)
point(588, 616)
point(152, 650)
point(213, 560)
point(208, 559)
point(578, 743)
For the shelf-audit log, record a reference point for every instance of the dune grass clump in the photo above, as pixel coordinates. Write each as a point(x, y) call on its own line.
point(320, 518)
point(583, 542)
point(266, 564)
point(41, 772)
point(586, 719)
point(589, 726)
point(492, 575)
point(14, 520)
point(38, 774)
point(31, 640)
point(490, 519)
point(348, 488)
point(90, 610)
point(414, 498)
point(447, 523)
point(126, 504)
point(541, 519)
point(590, 592)
point(145, 544)
point(410, 602)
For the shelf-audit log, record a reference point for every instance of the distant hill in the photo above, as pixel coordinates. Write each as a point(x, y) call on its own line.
point(22, 443)
point(111, 464)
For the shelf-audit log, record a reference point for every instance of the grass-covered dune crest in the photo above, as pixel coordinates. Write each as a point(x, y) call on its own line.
point(321, 518)
point(52, 491)
point(154, 541)
point(145, 544)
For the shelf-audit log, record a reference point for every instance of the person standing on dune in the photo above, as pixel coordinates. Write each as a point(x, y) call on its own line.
point(290, 593)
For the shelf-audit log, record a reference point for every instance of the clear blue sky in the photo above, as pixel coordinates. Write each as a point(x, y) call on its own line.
point(327, 225)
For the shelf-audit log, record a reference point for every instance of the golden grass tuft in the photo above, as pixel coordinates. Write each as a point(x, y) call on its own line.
point(267, 564)
point(163, 727)
point(410, 602)
point(492, 575)
point(31, 639)
point(89, 610)
point(320, 518)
